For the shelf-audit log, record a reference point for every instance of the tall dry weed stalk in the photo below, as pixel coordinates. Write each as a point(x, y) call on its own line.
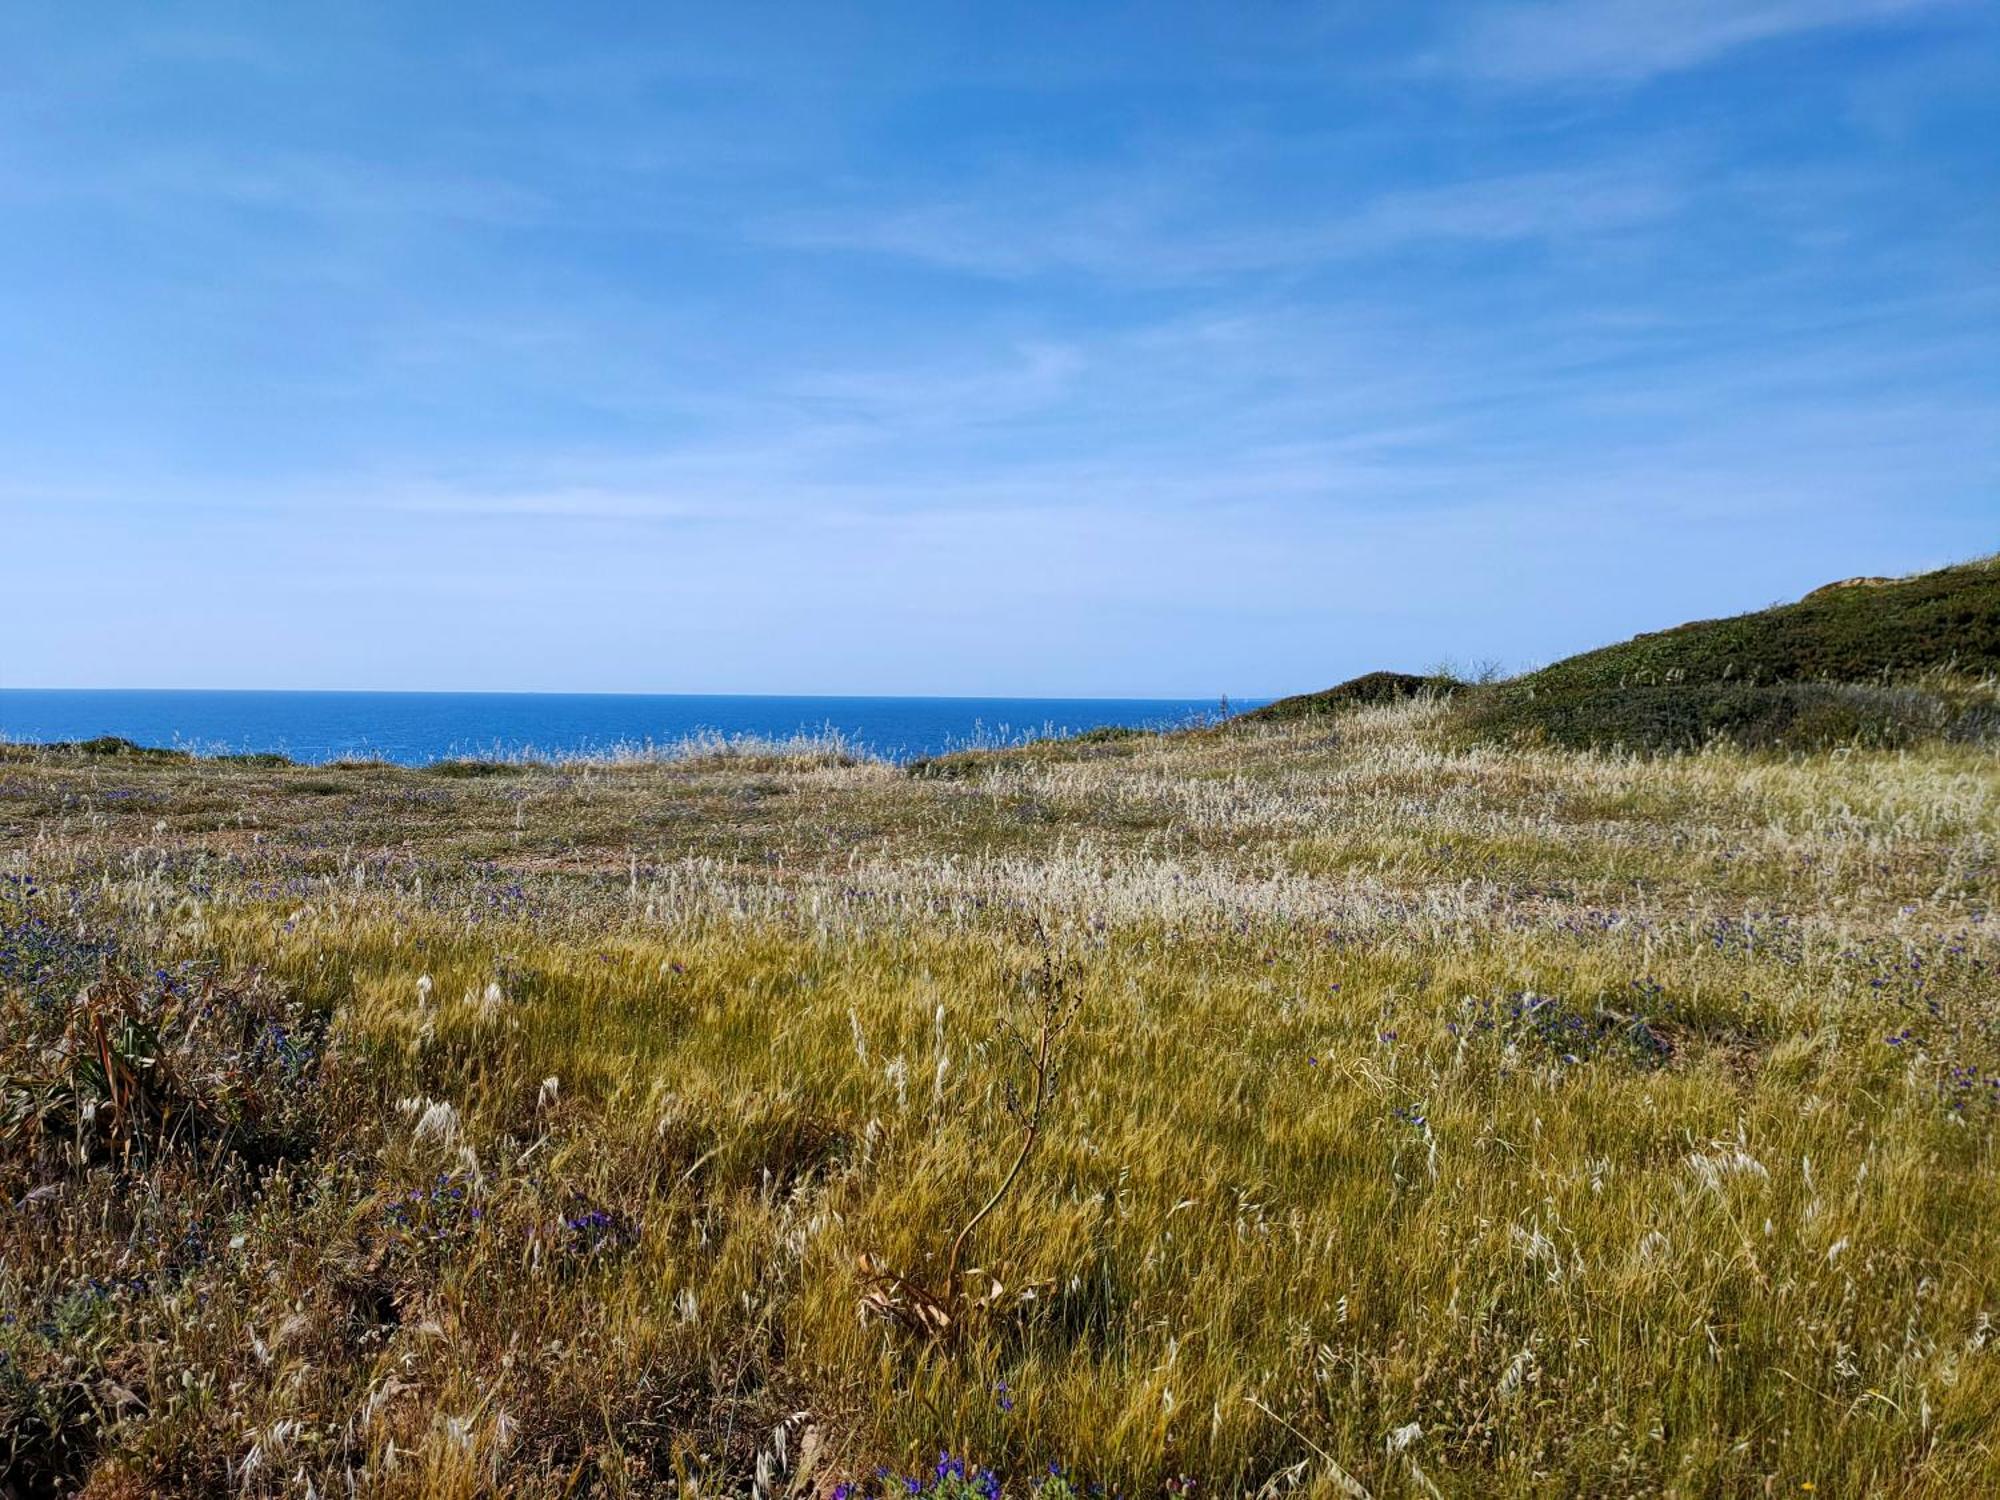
point(1031, 1033)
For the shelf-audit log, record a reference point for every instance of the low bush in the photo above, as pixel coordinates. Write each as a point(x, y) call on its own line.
point(129, 1070)
point(117, 746)
point(1366, 691)
point(1790, 716)
point(1107, 734)
point(470, 770)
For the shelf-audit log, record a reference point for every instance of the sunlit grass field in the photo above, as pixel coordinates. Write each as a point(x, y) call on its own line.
point(1430, 1120)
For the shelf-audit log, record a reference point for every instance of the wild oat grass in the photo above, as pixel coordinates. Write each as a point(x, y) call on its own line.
point(1434, 1120)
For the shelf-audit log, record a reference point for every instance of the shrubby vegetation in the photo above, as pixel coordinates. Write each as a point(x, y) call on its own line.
point(1783, 716)
point(1866, 630)
point(1370, 690)
point(1427, 1117)
point(1869, 663)
point(1876, 663)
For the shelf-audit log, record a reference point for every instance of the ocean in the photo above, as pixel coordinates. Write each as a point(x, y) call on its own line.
point(416, 728)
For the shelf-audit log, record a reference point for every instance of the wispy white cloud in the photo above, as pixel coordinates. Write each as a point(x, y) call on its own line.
point(323, 186)
point(999, 387)
point(1629, 40)
point(1235, 348)
point(1149, 229)
point(1549, 205)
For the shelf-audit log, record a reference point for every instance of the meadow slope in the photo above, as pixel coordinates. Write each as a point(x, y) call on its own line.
point(1435, 1120)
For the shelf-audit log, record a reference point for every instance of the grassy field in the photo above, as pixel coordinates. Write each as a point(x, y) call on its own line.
point(1430, 1119)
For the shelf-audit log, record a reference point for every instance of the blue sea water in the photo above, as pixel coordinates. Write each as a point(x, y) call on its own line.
point(415, 728)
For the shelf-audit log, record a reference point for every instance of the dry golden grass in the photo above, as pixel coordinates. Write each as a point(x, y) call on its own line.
point(1435, 1121)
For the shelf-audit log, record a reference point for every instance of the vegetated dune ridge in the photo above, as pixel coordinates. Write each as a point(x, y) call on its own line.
point(1435, 1116)
point(1869, 661)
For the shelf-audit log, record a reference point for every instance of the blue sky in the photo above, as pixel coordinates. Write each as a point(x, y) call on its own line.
point(1054, 348)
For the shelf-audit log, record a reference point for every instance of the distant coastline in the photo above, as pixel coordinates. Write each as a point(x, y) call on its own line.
point(415, 728)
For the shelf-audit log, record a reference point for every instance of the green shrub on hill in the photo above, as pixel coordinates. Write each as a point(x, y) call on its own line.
point(1756, 716)
point(1870, 662)
point(1867, 631)
point(118, 747)
point(467, 770)
point(1365, 691)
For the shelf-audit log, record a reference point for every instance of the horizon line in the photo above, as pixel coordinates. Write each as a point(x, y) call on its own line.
point(634, 693)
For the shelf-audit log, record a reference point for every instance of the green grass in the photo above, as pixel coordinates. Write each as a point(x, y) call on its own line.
point(1606, 1119)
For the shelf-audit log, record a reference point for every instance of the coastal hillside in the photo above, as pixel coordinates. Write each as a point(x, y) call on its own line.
point(1859, 630)
point(1869, 661)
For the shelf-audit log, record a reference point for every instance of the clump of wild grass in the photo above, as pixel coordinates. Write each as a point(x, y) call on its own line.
point(136, 1068)
point(705, 749)
point(1032, 1044)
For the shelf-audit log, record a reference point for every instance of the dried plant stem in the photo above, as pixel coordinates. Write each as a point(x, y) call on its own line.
point(1030, 1133)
